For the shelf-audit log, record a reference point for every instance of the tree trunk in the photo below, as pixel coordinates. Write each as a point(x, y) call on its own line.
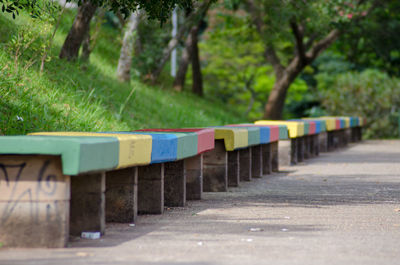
point(276, 99)
point(78, 31)
point(86, 47)
point(89, 41)
point(125, 58)
point(196, 67)
point(191, 20)
point(179, 81)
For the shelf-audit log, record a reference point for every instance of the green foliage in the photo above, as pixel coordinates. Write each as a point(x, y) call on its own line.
point(70, 96)
point(233, 62)
point(153, 40)
point(375, 41)
point(155, 9)
point(235, 71)
point(370, 94)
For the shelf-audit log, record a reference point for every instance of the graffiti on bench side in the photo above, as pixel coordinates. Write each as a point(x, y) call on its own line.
point(29, 191)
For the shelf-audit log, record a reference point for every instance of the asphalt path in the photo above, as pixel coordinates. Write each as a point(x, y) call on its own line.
point(340, 208)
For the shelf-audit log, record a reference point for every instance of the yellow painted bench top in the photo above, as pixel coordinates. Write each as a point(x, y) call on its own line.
point(133, 149)
point(234, 138)
point(296, 128)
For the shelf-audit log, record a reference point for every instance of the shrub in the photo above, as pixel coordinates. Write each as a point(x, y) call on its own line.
point(370, 94)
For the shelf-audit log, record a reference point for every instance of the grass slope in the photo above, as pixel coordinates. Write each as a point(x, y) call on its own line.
point(74, 96)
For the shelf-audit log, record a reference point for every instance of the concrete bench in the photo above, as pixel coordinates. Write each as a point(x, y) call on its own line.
point(224, 166)
point(356, 124)
point(250, 164)
point(54, 186)
point(313, 130)
point(264, 156)
point(290, 151)
point(321, 138)
point(187, 169)
point(336, 131)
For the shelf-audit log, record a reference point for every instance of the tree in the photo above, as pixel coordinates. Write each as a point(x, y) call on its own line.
point(374, 42)
point(78, 31)
point(197, 86)
point(155, 10)
point(309, 27)
point(184, 62)
point(125, 59)
point(194, 17)
point(190, 53)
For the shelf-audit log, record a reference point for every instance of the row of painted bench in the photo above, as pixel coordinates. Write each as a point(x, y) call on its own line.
point(57, 184)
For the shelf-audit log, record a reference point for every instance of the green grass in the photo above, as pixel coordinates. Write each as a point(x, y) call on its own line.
point(74, 96)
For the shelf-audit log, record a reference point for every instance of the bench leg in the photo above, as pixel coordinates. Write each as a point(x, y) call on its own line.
point(294, 146)
point(266, 159)
point(307, 144)
point(34, 202)
point(233, 168)
point(331, 141)
point(323, 142)
point(88, 203)
point(151, 189)
point(316, 144)
point(311, 146)
point(215, 168)
point(122, 195)
point(275, 156)
point(256, 161)
point(175, 184)
point(194, 177)
point(353, 134)
point(300, 149)
point(245, 164)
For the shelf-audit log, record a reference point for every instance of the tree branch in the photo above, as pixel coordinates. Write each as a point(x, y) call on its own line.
point(191, 20)
point(322, 45)
point(270, 53)
point(298, 32)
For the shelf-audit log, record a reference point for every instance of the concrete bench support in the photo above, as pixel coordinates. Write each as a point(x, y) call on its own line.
point(332, 141)
point(151, 189)
point(233, 168)
point(215, 168)
point(245, 164)
point(323, 142)
point(307, 147)
point(286, 152)
point(88, 203)
point(175, 184)
point(301, 147)
point(266, 159)
point(275, 159)
point(194, 177)
point(122, 195)
point(356, 134)
point(294, 150)
point(256, 161)
point(315, 142)
point(348, 135)
point(34, 202)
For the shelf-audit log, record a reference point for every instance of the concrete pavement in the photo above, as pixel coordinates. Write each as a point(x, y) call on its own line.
point(340, 208)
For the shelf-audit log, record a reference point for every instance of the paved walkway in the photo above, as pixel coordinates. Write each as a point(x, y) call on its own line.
point(340, 208)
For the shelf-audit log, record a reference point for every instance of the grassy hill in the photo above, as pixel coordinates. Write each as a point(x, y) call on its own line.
point(76, 96)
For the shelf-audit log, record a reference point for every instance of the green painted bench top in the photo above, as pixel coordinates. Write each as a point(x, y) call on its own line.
point(78, 154)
